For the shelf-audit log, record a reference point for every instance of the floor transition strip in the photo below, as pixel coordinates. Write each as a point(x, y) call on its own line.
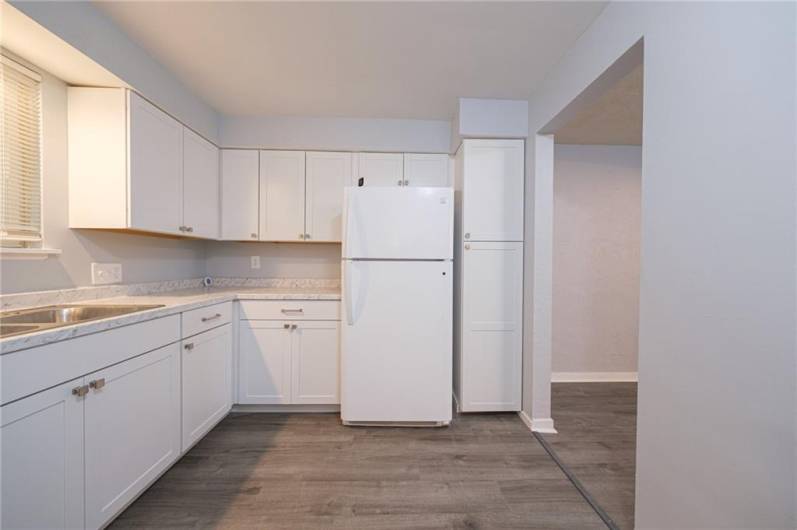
point(574, 480)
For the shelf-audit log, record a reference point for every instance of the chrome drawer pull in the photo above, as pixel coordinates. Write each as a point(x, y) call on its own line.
point(97, 383)
point(189, 346)
point(300, 310)
point(80, 391)
point(214, 317)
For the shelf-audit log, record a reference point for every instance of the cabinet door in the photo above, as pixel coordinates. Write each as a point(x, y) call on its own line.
point(155, 202)
point(200, 186)
point(132, 430)
point(493, 190)
point(264, 365)
point(327, 175)
point(42, 460)
point(425, 170)
point(380, 169)
point(240, 185)
point(206, 382)
point(282, 195)
point(492, 316)
point(315, 356)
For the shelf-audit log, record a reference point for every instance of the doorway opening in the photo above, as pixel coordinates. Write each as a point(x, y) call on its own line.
point(595, 258)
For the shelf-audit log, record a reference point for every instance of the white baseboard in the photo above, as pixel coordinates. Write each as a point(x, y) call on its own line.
point(286, 408)
point(543, 425)
point(594, 377)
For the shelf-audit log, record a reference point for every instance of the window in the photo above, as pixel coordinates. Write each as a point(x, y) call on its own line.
point(20, 156)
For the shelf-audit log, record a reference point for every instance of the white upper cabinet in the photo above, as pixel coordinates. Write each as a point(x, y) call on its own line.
point(281, 195)
point(240, 184)
point(200, 186)
point(327, 174)
point(380, 169)
point(134, 167)
point(156, 168)
point(492, 190)
point(422, 169)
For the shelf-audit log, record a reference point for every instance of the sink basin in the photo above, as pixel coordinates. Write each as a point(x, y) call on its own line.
point(41, 318)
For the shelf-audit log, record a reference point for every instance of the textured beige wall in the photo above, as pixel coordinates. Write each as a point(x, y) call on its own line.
point(596, 258)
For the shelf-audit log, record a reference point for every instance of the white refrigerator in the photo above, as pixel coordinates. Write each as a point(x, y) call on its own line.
point(396, 336)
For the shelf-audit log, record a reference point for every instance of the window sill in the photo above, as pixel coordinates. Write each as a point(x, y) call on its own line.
point(28, 253)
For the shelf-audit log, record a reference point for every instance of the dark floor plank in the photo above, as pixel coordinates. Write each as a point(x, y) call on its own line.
point(596, 440)
point(273, 471)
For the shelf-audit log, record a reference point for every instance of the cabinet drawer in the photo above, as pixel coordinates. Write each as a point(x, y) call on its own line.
point(290, 310)
point(205, 318)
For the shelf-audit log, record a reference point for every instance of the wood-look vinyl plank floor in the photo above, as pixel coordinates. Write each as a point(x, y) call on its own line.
point(596, 440)
point(296, 471)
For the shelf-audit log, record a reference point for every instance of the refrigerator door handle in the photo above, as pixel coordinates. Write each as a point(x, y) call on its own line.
point(348, 294)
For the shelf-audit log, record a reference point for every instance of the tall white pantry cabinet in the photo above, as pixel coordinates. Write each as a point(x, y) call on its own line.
point(488, 281)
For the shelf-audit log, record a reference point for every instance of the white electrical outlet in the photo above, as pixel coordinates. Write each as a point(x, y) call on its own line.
point(105, 273)
point(254, 262)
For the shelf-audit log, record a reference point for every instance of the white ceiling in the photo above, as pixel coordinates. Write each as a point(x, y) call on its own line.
point(31, 42)
point(615, 118)
point(367, 60)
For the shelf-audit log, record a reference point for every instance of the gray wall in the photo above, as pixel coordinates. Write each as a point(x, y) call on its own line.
point(596, 258)
point(716, 426)
point(277, 260)
point(143, 258)
point(336, 134)
point(88, 30)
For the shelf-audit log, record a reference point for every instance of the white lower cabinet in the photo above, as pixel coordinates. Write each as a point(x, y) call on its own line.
point(289, 362)
point(42, 460)
point(264, 363)
point(490, 346)
point(315, 367)
point(206, 382)
point(132, 430)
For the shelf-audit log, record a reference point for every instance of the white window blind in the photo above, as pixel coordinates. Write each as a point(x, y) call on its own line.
point(20, 188)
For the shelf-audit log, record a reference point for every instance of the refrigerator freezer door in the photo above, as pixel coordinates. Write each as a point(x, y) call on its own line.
point(396, 342)
point(398, 223)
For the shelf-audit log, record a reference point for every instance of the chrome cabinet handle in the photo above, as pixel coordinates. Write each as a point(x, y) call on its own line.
point(300, 310)
point(307, 236)
point(80, 391)
point(97, 383)
point(182, 228)
point(286, 326)
point(400, 182)
point(301, 236)
point(467, 247)
point(189, 346)
point(254, 236)
point(467, 235)
point(406, 182)
point(189, 228)
point(294, 326)
point(214, 317)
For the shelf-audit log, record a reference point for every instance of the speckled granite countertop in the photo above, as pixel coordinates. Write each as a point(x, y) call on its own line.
point(173, 301)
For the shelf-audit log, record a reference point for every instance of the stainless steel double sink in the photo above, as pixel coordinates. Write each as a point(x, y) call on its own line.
point(56, 316)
